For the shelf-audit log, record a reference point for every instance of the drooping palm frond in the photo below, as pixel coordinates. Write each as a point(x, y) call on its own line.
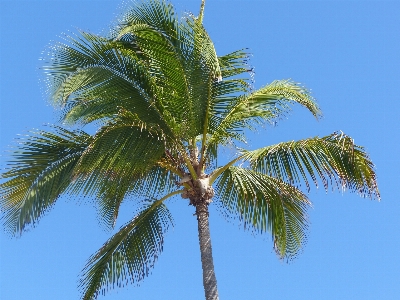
point(117, 162)
point(334, 159)
point(39, 171)
point(125, 144)
point(266, 204)
point(279, 95)
point(130, 254)
point(121, 160)
point(114, 190)
point(236, 114)
point(93, 77)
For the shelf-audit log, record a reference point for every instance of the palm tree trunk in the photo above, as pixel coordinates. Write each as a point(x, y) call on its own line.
point(209, 279)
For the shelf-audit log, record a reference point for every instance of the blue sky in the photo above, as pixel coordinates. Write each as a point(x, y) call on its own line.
point(346, 52)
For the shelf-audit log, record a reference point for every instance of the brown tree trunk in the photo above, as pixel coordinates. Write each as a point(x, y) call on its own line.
point(209, 279)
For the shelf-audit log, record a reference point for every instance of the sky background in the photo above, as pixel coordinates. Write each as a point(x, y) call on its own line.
point(346, 52)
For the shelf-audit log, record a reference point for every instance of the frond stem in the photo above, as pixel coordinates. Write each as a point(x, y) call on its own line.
point(194, 143)
point(169, 195)
point(190, 167)
point(201, 14)
point(214, 175)
point(203, 142)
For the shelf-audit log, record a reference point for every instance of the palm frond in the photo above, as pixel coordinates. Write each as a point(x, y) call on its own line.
point(183, 60)
point(153, 27)
point(266, 204)
point(234, 114)
point(157, 14)
point(93, 77)
point(279, 95)
point(40, 170)
point(130, 254)
point(334, 159)
point(221, 94)
point(126, 144)
point(119, 158)
point(235, 63)
point(120, 187)
point(98, 92)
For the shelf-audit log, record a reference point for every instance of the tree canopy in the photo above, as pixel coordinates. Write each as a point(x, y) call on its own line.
point(165, 104)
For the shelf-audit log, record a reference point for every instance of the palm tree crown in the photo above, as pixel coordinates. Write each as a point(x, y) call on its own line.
point(165, 103)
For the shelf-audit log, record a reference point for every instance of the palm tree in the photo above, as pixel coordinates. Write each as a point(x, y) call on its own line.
point(165, 104)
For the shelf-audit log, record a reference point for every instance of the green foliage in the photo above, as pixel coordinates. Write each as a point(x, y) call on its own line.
point(41, 169)
point(234, 114)
point(334, 159)
point(129, 255)
point(157, 90)
point(266, 204)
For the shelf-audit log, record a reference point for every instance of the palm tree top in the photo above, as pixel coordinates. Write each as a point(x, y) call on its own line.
point(165, 104)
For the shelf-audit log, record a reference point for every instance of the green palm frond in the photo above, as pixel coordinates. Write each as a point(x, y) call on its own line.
point(114, 190)
point(234, 63)
point(40, 170)
point(166, 66)
point(125, 144)
point(225, 93)
point(156, 14)
point(279, 95)
point(183, 58)
point(204, 51)
point(117, 161)
point(235, 114)
point(159, 68)
point(94, 76)
point(130, 254)
point(110, 195)
point(334, 159)
point(266, 204)
point(98, 92)
point(185, 37)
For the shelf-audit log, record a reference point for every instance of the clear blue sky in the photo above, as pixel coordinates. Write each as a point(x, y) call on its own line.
point(347, 52)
